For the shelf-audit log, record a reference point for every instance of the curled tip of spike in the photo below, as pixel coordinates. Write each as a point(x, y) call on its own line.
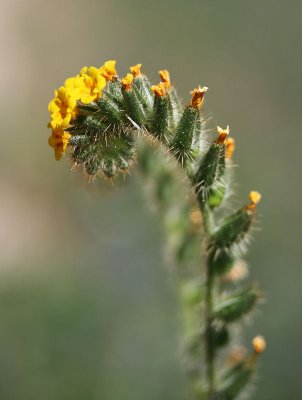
point(127, 82)
point(229, 147)
point(222, 135)
point(197, 96)
point(254, 197)
point(165, 77)
point(136, 70)
point(159, 90)
point(259, 344)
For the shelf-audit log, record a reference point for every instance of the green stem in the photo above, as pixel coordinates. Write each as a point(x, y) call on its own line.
point(208, 337)
point(209, 345)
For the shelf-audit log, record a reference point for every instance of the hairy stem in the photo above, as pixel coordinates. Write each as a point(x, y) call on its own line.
point(209, 345)
point(208, 337)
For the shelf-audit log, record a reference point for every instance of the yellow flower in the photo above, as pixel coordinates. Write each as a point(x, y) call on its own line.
point(94, 84)
point(62, 108)
point(59, 141)
point(108, 70)
point(75, 86)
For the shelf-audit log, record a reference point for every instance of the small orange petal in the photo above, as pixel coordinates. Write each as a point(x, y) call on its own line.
point(165, 77)
point(222, 135)
point(259, 344)
point(136, 70)
point(254, 197)
point(127, 82)
point(159, 90)
point(229, 147)
point(197, 96)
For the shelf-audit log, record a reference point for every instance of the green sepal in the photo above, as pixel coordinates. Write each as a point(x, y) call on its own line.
point(108, 167)
point(88, 125)
point(220, 334)
point(209, 171)
point(221, 262)
point(161, 119)
point(134, 107)
point(233, 230)
point(143, 90)
point(94, 123)
point(186, 131)
point(221, 161)
point(216, 195)
point(77, 139)
point(115, 154)
point(86, 109)
point(176, 105)
point(82, 152)
point(109, 154)
point(114, 91)
point(92, 166)
point(235, 381)
point(234, 307)
point(109, 109)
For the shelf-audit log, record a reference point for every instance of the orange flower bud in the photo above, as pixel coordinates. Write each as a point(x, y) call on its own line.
point(159, 90)
point(165, 77)
point(222, 135)
point(136, 70)
point(254, 197)
point(127, 82)
point(197, 96)
point(229, 147)
point(259, 344)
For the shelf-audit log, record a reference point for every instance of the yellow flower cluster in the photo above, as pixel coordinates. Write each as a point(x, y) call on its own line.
point(85, 87)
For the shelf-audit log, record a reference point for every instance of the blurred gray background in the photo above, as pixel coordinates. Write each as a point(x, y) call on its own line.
point(88, 305)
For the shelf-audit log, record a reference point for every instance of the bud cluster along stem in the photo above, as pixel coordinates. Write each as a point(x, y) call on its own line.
point(99, 118)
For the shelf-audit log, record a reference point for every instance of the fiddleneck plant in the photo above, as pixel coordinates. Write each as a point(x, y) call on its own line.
point(107, 123)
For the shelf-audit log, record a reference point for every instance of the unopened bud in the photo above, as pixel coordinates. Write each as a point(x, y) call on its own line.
point(159, 90)
point(222, 135)
point(229, 147)
point(165, 77)
point(254, 197)
point(259, 344)
point(127, 82)
point(136, 70)
point(197, 96)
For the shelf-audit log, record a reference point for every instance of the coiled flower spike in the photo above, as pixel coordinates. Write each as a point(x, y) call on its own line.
point(85, 88)
point(97, 116)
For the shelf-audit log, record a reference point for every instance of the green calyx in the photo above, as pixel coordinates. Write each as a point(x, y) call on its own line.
point(235, 306)
point(186, 136)
point(107, 125)
point(233, 230)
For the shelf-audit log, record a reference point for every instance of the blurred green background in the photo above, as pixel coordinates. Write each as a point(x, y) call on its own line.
point(88, 305)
